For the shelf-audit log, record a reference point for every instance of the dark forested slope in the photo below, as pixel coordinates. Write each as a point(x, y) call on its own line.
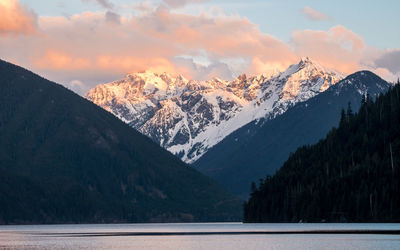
point(63, 159)
point(260, 148)
point(351, 175)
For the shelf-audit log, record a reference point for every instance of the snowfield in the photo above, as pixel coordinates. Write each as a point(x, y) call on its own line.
point(188, 117)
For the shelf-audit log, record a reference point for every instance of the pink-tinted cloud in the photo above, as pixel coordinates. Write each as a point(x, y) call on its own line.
point(96, 47)
point(338, 48)
point(224, 35)
point(127, 63)
point(314, 15)
point(61, 61)
point(95, 43)
point(16, 19)
point(343, 50)
point(386, 74)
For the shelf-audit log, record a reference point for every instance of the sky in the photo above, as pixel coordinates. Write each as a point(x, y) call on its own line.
point(82, 43)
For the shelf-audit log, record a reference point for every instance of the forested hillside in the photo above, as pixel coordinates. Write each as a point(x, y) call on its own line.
point(352, 175)
point(65, 160)
point(261, 148)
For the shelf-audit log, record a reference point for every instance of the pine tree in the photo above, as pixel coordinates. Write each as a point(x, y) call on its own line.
point(349, 176)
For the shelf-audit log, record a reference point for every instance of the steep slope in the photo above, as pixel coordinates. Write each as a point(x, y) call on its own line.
point(261, 147)
point(64, 159)
point(352, 175)
point(189, 117)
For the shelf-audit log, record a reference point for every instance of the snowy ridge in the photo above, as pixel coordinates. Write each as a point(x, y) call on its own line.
point(188, 117)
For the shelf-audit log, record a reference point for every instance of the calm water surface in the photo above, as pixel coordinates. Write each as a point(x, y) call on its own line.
point(199, 236)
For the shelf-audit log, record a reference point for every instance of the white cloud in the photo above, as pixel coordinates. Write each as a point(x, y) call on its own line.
point(314, 15)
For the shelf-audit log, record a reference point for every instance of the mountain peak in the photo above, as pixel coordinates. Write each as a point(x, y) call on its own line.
point(304, 60)
point(306, 78)
point(309, 64)
point(363, 82)
point(266, 144)
point(242, 77)
point(305, 64)
point(361, 76)
point(147, 74)
point(118, 174)
point(202, 113)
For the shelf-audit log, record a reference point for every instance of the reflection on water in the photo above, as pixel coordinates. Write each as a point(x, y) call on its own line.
point(263, 236)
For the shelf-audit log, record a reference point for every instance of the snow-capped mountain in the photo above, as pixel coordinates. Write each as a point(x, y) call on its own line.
point(261, 148)
point(188, 117)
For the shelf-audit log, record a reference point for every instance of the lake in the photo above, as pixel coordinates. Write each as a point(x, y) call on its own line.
point(202, 236)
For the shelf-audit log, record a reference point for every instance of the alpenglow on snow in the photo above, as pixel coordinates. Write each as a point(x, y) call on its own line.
point(188, 117)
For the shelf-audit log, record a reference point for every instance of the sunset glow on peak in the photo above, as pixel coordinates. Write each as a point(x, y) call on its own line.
point(99, 41)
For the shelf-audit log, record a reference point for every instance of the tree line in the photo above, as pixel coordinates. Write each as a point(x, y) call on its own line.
point(350, 176)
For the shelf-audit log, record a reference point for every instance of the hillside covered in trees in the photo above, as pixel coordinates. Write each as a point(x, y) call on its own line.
point(260, 148)
point(65, 160)
point(352, 175)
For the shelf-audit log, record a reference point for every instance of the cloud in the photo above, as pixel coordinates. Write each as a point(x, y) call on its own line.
point(390, 59)
point(104, 3)
point(143, 7)
point(342, 49)
point(16, 19)
point(97, 47)
point(53, 59)
point(93, 46)
point(314, 15)
point(113, 17)
point(182, 3)
point(338, 48)
point(75, 85)
point(204, 72)
point(386, 74)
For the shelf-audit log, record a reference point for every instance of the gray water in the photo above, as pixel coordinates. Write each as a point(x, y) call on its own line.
point(201, 236)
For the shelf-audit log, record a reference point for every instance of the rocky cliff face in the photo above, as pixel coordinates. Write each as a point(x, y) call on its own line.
point(188, 117)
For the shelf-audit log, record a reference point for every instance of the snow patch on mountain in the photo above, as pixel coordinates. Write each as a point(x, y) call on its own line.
point(188, 117)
